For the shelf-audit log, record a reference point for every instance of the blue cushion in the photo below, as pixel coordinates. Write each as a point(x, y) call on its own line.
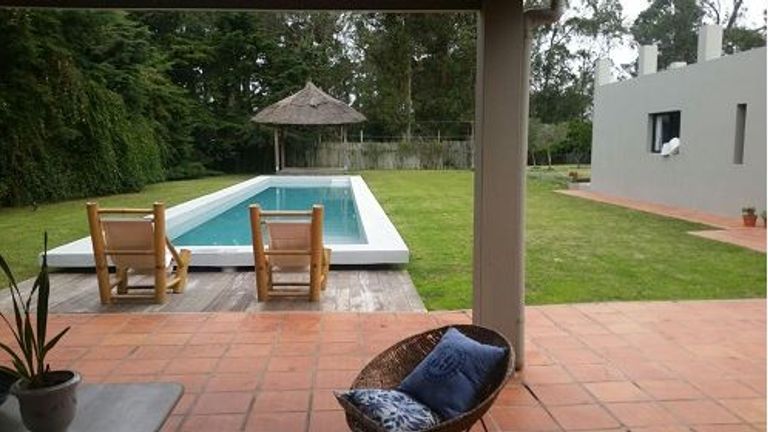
point(449, 379)
point(393, 410)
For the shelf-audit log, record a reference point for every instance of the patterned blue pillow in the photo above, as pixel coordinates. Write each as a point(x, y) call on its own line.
point(449, 379)
point(395, 411)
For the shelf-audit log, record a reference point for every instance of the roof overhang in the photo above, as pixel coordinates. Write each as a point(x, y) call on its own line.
point(256, 5)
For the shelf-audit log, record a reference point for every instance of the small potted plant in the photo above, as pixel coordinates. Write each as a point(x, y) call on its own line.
point(749, 215)
point(47, 398)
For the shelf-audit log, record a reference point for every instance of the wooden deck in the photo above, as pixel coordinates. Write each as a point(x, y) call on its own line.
point(347, 290)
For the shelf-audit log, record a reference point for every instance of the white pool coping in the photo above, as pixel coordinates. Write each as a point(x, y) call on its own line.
point(383, 244)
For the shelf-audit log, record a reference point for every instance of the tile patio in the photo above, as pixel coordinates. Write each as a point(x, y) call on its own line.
point(654, 366)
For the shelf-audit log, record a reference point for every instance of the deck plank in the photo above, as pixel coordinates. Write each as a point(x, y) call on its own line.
point(352, 290)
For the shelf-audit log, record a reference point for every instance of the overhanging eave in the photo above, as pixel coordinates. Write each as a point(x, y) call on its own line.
point(256, 5)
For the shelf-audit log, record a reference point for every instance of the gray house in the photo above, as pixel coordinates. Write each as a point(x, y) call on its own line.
point(691, 136)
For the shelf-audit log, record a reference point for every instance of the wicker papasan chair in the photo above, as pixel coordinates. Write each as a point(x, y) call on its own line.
point(390, 367)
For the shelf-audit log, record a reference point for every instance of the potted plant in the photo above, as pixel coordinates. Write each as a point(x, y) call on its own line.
point(749, 215)
point(6, 379)
point(47, 398)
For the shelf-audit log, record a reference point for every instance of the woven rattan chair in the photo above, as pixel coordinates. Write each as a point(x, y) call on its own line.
point(390, 367)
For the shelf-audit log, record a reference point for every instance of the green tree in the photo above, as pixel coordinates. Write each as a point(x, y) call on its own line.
point(563, 58)
point(673, 25)
point(729, 15)
point(69, 124)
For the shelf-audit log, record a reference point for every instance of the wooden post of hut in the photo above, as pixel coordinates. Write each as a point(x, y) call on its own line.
point(277, 150)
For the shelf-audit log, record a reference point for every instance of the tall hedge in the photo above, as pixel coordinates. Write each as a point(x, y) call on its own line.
point(65, 128)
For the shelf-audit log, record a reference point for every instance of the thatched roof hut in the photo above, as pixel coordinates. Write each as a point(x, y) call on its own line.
point(308, 107)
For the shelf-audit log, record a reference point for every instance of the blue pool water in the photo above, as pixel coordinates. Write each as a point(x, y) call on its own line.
point(341, 223)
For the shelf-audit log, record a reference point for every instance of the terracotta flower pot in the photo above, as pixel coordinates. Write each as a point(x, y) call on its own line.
point(48, 409)
point(750, 220)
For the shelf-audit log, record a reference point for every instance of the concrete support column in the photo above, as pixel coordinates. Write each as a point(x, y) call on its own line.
point(500, 160)
point(710, 42)
point(647, 63)
point(603, 72)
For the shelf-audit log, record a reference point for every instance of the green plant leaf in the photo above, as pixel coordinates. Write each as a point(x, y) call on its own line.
point(30, 346)
point(7, 271)
point(22, 370)
point(10, 327)
point(9, 371)
point(51, 343)
point(17, 315)
point(15, 359)
point(42, 303)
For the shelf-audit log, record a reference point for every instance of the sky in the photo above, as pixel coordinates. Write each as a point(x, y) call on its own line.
point(627, 54)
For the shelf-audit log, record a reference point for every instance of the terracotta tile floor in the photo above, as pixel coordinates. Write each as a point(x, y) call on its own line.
point(658, 366)
point(730, 230)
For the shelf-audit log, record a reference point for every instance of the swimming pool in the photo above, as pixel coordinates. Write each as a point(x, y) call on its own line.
point(216, 227)
point(341, 222)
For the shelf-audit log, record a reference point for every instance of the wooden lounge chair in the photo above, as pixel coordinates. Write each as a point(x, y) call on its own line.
point(134, 241)
point(295, 245)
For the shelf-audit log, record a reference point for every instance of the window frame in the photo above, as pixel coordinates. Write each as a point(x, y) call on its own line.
point(652, 119)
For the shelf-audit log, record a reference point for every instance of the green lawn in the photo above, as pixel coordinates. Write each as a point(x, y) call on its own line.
point(577, 250)
point(21, 229)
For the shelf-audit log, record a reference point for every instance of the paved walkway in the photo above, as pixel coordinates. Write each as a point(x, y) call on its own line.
point(731, 230)
point(651, 366)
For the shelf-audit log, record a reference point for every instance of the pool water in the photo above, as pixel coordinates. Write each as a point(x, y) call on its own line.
point(341, 222)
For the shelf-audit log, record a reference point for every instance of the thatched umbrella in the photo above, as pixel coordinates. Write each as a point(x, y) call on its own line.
point(308, 107)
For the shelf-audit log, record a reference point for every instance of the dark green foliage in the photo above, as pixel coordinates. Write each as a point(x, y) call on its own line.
point(736, 39)
point(563, 58)
point(674, 25)
point(102, 102)
point(416, 73)
point(80, 106)
point(577, 145)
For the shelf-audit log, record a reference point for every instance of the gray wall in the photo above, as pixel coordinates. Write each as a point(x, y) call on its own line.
point(702, 176)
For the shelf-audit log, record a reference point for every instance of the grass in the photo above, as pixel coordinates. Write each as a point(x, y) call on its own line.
point(21, 229)
point(584, 171)
point(576, 250)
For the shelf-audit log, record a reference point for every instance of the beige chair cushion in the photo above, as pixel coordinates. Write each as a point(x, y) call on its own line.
point(131, 234)
point(289, 236)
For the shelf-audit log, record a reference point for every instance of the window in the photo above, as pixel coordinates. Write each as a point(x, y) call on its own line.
point(664, 127)
point(741, 122)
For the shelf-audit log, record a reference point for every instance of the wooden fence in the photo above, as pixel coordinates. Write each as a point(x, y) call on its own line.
point(382, 155)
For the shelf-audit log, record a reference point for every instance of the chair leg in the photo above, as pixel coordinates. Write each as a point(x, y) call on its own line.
point(122, 276)
point(182, 269)
point(105, 288)
point(326, 267)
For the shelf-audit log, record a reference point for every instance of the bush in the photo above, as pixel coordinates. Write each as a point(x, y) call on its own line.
point(190, 170)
